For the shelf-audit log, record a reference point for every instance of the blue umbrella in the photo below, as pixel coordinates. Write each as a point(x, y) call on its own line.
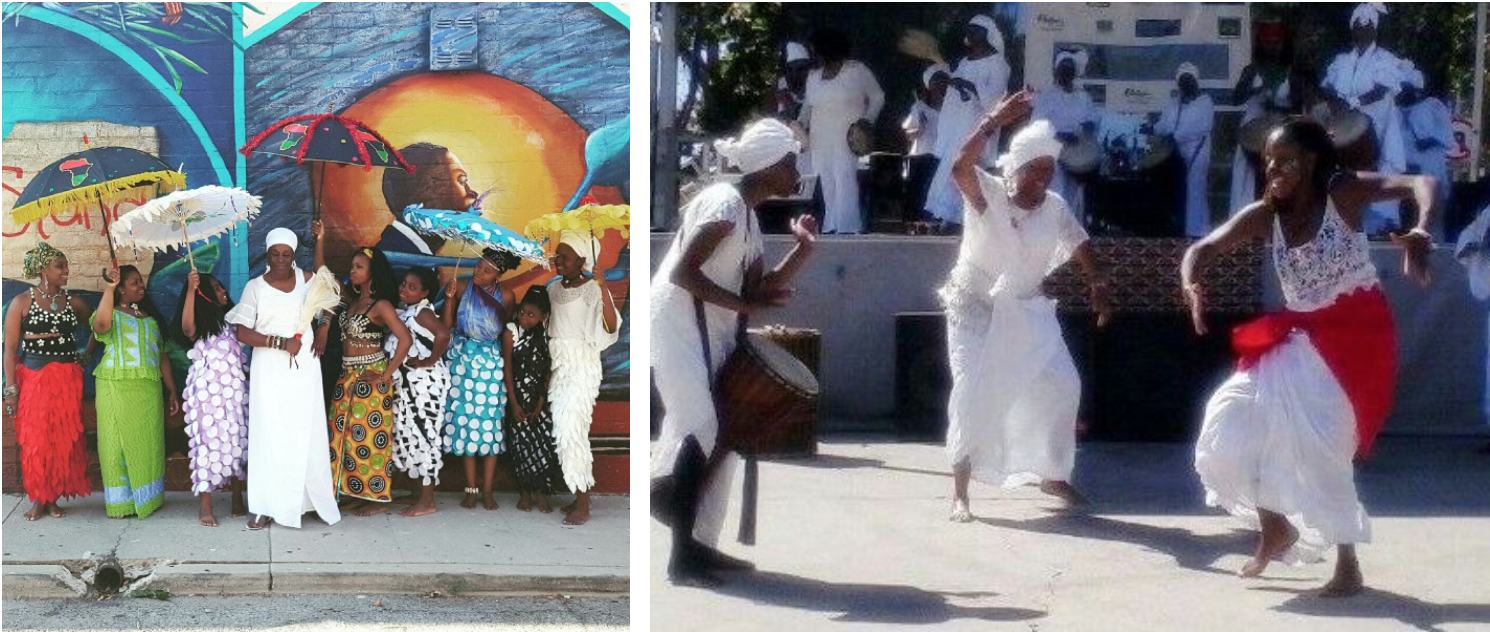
point(470, 229)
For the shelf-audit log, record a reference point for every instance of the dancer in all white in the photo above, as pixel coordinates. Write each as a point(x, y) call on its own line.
point(1315, 382)
point(289, 472)
point(1015, 391)
point(979, 82)
point(842, 94)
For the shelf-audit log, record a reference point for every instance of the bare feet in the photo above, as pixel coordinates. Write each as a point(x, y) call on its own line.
point(351, 505)
point(54, 511)
point(1269, 548)
point(1065, 492)
point(580, 514)
point(1345, 583)
point(371, 509)
point(566, 509)
point(960, 511)
point(543, 505)
point(525, 503)
point(488, 502)
point(258, 522)
point(36, 512)
point(204, 514)
point(418, 509)
point(239, 508)
point(470, 501)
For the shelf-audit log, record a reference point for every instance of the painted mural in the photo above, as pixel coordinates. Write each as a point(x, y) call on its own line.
point(522, 107)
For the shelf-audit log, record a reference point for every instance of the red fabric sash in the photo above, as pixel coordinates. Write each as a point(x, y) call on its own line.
point(1358, 341)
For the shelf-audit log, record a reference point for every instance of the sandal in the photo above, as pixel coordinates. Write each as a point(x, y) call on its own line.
point(258, 523)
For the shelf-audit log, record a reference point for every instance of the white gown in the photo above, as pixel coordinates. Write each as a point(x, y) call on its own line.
point(1243, 176)
point(678, 369)
point(957, 120)
point(1473, 253)
point(1015, 391)
point(576, 336)
point(1067, 112)
point(1352, 75)
point(289, 463)
point(1429, 119)
point(1282, 434)
point(1190, 124)
point(837, 103)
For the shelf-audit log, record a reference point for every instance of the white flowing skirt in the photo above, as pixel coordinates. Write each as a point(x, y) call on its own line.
point(571, 395)
point(1015, 392)
point(1281, 436)
point(289, 456)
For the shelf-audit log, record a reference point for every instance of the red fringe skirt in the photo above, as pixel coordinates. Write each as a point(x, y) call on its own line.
point(49, 429)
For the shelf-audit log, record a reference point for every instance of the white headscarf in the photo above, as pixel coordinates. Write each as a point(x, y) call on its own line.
point(1368, 14)
point(1078, 58)
point(584, 245)
point(762, 144)
point(796, 52)
point(281, 237)
point(931, 72)
point(1036, 140)
point(995, 37)
point(1187, 68)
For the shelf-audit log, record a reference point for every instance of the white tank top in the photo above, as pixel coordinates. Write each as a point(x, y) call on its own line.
point(1335, 263)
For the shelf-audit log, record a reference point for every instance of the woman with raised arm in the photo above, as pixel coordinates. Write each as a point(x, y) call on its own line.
point(1314, 382)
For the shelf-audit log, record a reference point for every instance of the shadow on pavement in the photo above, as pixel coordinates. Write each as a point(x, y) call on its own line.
point(878, 603)
point(1191, 551)
point(1380, 604)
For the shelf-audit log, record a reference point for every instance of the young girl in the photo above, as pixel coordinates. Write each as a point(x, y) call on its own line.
point(584, 323)
point(216, 397)
point(420, 388)
point(360, 423)
point(131, 419)
point(475, 310)
point(534, 456)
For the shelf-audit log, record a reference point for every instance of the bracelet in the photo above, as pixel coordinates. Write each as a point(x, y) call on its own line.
point(12, 391)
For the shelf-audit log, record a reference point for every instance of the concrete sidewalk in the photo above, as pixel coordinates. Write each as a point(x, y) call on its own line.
point(454, 551)
point(858, 539)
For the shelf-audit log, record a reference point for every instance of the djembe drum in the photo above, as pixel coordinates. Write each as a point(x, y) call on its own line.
point(1355, 140)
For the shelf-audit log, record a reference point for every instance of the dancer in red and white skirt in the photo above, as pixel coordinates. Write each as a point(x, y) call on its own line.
point(1314, 382)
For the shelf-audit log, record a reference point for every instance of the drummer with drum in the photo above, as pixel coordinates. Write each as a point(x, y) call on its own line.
point(1070, 111)
point(1265, 92)
point(1188, 118)
point(1364, 82)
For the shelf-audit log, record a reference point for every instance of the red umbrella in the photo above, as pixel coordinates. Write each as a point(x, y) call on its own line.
point(323, 138)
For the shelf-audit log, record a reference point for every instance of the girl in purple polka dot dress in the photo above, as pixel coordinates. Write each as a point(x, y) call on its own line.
point(216, 397)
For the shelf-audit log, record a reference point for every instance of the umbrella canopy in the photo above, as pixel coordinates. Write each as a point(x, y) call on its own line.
point(592, 218)
point(326, 138)
point(182, 217)
point(89, 178)
point(471, 229)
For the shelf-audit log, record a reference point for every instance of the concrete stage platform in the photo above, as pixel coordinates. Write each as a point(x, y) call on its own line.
point(854, 287)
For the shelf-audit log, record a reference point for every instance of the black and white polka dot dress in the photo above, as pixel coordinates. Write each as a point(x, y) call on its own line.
point(419, 408)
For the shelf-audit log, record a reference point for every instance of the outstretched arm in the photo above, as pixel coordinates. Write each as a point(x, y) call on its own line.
point(1248, 225)
point(965, 168)
point(1355, 194)
point(805, 229)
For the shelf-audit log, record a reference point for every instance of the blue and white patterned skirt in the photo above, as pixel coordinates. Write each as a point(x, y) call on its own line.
point(478, 397)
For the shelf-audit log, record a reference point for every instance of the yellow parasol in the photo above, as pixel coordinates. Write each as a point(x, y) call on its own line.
point(591, 217)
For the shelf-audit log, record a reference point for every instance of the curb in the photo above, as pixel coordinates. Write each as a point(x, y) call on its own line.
point(48, 581)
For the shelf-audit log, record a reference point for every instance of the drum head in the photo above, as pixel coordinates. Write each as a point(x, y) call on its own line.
point(1160, 149)
point(859, 141)
point(1348, 127)
point(1082, 156)
point(1254, 134)
point(782, 364)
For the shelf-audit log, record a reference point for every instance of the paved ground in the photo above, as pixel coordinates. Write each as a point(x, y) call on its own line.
point(505, 551)
point(858, 538)
point(346, 612)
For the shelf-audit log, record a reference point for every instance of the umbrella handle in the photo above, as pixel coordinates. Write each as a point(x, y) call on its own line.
point(107, 232)
point(189, 256)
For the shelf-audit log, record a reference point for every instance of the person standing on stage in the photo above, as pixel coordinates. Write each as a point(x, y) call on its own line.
point(920, 129)
point(1473, 251)
point(1265, 87)
point(1428, 133)
point(1188, 117)
point(842, 94)
point(1069, 109)
point(1314, 383)
point(791, 86)
point(1015, 391)
point(1367, 78)
point(979, 82)
point(711, 276)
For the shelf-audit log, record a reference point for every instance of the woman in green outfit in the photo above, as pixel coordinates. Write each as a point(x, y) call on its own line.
point(131, 416)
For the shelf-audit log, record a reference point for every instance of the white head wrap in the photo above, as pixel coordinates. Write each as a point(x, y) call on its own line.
point(1187, 68)
point(762, 144)
point(1034, 141)
point(796, 52)
point(281, 236)
point(584, 245)
point(1368, 14)
point(1078, 57)
point(931, 72)
point(995, 37)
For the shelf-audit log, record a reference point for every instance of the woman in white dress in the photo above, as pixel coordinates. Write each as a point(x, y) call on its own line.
point(1015, 391)
point(584, 321)
point(715, 269)
point(289, 470)
point(979, 82)
point(1315, 382)
point(1069, 109)
point(1188, 117)
point(843, 93)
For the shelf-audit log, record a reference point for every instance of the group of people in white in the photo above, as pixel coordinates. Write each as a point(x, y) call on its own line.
point(827, 92)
